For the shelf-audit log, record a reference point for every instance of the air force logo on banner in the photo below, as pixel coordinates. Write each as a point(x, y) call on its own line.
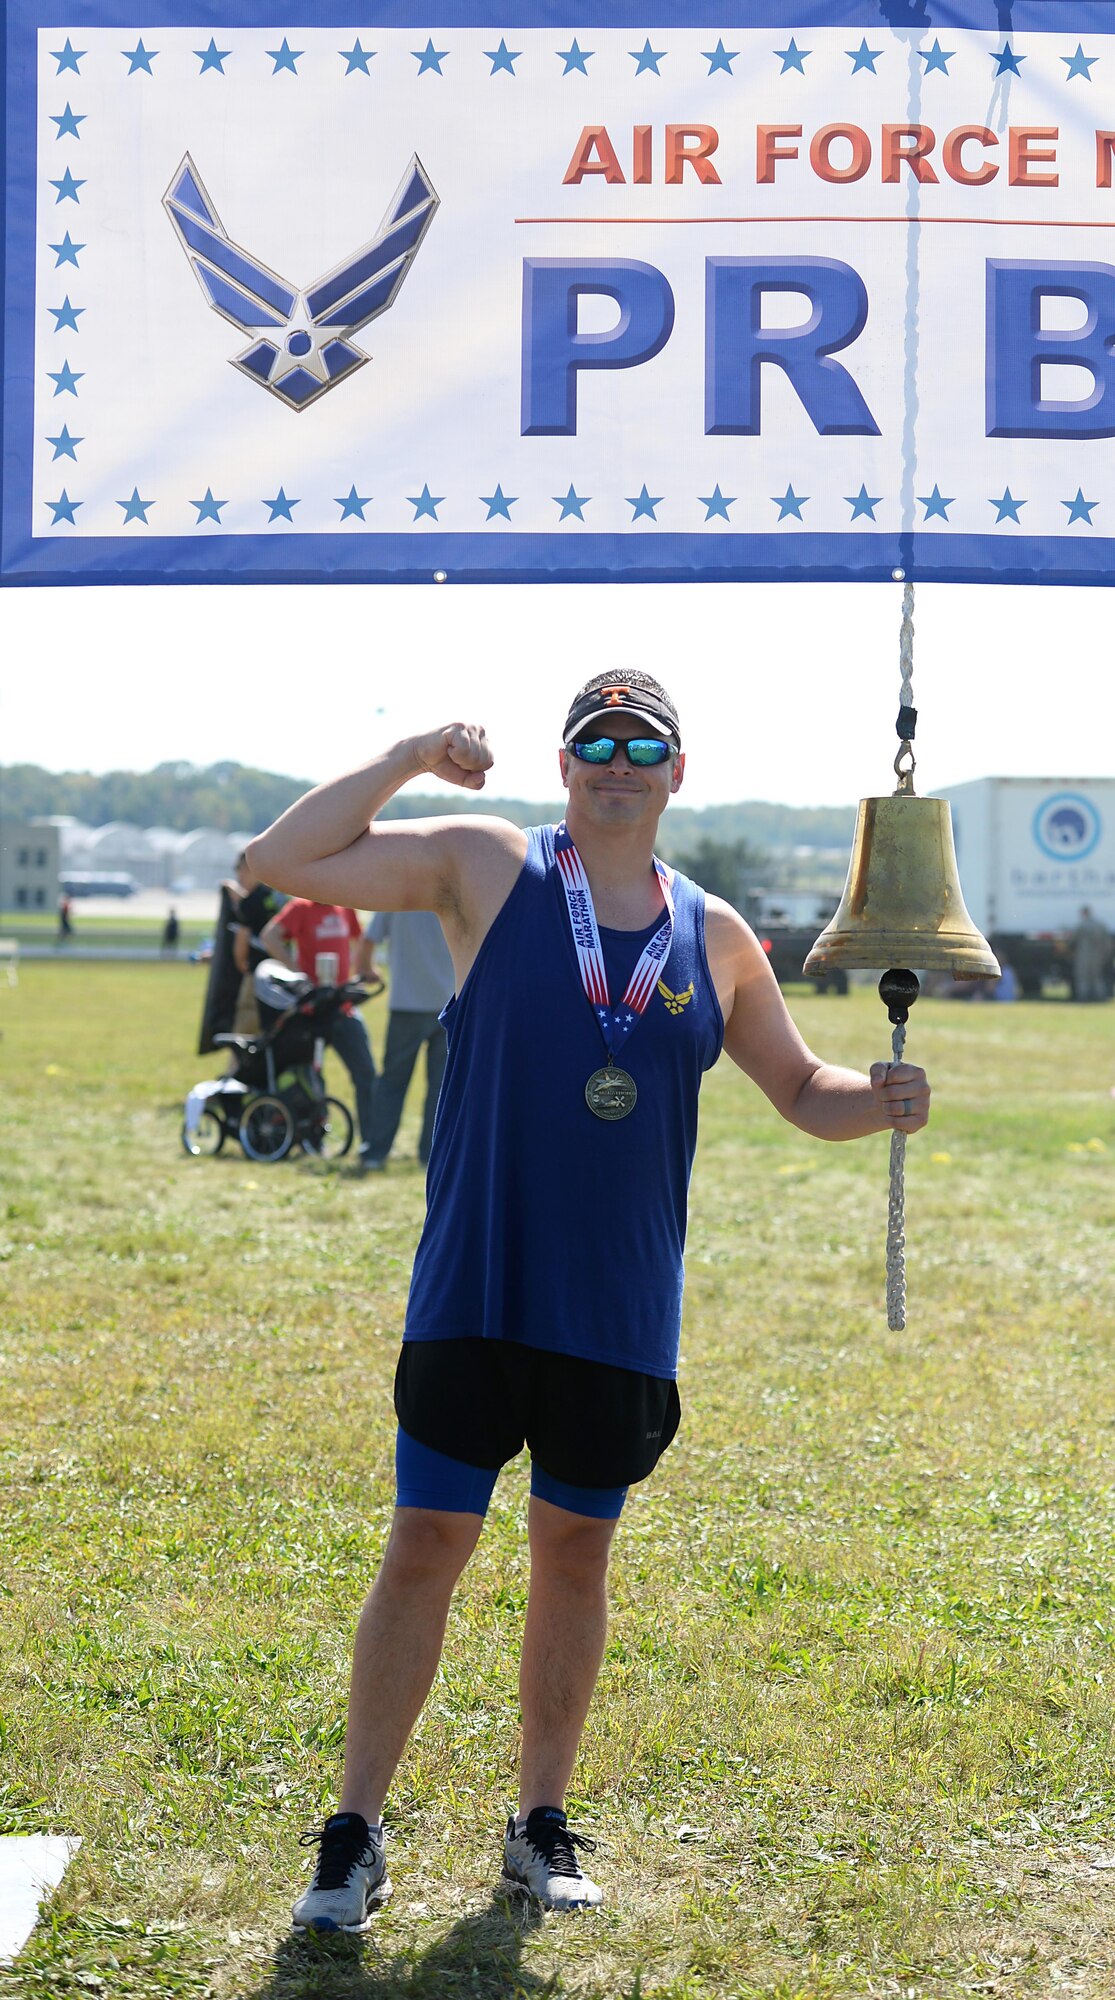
point(301, 349)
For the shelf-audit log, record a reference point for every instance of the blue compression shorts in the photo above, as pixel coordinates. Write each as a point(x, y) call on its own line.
point(427, 1478)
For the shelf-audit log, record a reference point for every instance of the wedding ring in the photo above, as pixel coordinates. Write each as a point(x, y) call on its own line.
point(907, 1108)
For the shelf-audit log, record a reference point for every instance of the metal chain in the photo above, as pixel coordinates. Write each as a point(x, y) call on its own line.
point(896, 1212)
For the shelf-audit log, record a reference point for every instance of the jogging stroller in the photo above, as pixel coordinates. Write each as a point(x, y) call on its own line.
point(274, 1098)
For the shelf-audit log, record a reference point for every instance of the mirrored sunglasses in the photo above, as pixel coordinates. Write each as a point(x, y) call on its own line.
point(641, 750)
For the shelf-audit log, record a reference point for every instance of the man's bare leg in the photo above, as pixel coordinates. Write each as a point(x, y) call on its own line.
point(398, 1646)
point(563, 1645)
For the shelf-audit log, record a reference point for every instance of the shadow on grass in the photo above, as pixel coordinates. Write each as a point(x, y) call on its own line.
point(481, 1956)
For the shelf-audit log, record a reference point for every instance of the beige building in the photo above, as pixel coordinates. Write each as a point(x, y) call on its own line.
point(28, 867)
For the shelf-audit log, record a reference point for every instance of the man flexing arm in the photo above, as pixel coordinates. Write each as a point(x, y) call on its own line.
point(330, 848)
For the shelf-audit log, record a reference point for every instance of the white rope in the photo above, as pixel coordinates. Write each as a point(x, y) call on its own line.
point(904, 762)
point(896, 1212)
point(906, 646)
point(896, 1205)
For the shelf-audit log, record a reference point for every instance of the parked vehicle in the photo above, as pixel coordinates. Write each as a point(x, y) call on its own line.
point(787, 950)
point(83, 882)
point(1031, 853)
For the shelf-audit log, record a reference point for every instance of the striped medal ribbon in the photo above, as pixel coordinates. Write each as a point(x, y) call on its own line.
point(610, 1093)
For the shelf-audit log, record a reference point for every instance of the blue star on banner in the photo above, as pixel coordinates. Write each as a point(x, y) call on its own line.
point(67, 58)
point(793, 58)
point(135, 509)
point(572, 503)
point(863, 502)
point(1007, 507)
point(937, 58)
point(357, 58)
point(720, 58)
point(864, 58)
point(65, 380)
point(575, 57)
point(66, 315)
point(212, 58)
point(1080, 65)
point(1080, 509)
point(429, 58)
point(285, 57)
point(936, 508)
point(643, 504)
point(66, 252)
point(789, 504)
point(425, 503)
point(139, 58)
point(280, 507)
point(646, 58)
point(352, 504)
point(208, 509)
point(1007, 61)
point(67, 122)
point(65, 446)
point(63, 509)
point(503, 58)
point(716, 504)
point(67, 189)
point(499, 503)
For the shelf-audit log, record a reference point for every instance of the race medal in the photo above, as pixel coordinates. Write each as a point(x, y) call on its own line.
point(610, 1093)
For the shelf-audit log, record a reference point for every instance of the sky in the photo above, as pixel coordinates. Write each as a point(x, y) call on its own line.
point(786, 692)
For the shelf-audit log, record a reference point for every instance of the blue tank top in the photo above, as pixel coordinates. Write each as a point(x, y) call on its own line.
point(545, 1224)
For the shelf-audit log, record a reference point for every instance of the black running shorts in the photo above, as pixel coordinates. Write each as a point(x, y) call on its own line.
point(585, 1422)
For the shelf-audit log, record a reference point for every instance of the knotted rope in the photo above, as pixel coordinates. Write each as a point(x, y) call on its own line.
point(896, 1211)
point(896, 1206)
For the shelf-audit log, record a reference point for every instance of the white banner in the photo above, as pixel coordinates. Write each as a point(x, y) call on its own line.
point(820, 290)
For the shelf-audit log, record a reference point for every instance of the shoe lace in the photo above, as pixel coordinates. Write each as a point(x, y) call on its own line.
point(557, 1843)
point(342, 1848)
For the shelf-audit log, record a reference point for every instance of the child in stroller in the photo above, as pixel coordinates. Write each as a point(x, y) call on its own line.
point(273, 1097)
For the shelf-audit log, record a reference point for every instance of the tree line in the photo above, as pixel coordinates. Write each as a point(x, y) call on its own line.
point(729, 849)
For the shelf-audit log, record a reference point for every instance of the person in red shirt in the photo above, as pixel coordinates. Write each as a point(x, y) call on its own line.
point(316, 938)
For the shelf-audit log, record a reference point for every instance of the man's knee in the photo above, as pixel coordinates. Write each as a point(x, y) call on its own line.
point(427, 1547)
point(569, 1549)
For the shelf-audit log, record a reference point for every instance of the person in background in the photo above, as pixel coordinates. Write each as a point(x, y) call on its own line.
point(316, 939)
point(171, 933)
point(256, 906)
point(1091, 952)
point(65, 921)
point(421, 981)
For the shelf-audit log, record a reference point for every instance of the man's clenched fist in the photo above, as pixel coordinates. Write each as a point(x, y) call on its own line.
point(460, 754)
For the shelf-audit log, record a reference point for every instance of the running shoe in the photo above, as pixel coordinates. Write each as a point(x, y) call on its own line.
point(543, 1859)
point(350, 1880)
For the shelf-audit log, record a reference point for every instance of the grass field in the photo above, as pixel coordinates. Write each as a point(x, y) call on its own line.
point(854, 1734)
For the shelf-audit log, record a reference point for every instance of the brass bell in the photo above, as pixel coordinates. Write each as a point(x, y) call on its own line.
point(902, 903)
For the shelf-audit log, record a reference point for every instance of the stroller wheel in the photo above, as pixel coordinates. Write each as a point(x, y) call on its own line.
point(327, 1134)
point(207, 1137)
point(267, 1130)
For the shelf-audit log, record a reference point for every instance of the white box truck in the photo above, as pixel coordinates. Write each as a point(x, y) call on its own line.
point(1032, 852)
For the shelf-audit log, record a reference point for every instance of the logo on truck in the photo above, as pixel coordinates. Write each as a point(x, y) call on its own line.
point(1067, 826)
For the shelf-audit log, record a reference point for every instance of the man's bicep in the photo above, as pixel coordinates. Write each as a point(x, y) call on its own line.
point(418, 864)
